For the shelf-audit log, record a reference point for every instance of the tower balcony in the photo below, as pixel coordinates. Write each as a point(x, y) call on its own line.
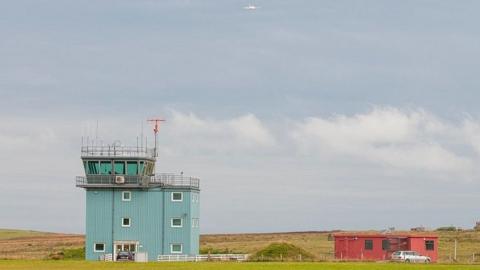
point(164, 180)
point(117, 151)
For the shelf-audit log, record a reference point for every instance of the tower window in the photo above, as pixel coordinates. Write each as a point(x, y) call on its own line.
point(177, 222)
point(132, 168)
point(141, 168)
point(368, 244)
point(92, 167)
point(105, 167)
point(125, 222)
point(126, 196)
point(176, 248)
point(119, 167)
point(177, 196)
point(99, 247)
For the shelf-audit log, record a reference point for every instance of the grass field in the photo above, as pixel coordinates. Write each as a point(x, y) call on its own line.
point(16, 244)
point(81, 265)
point(11, 234)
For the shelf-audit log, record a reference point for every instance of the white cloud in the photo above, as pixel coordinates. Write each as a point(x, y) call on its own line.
point(21, 136)
point(249, 130)
point(324, 161)
point(409, 139)
point(195, 134)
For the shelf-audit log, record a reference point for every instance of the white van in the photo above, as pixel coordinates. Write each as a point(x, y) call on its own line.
point(409, 257)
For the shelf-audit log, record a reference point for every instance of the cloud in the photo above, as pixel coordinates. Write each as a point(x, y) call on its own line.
point(407, 139)
point(249, 130)
point(21, 136)
point(194, 134)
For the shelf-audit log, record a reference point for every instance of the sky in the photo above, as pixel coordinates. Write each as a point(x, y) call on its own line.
point(300, 115)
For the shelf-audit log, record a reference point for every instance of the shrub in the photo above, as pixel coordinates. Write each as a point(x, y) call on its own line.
point(283, 252)
point(447, 229)
point(68, 254)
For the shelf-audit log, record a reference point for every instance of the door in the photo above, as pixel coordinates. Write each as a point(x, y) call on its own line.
point(129, 246)
point(126, 247)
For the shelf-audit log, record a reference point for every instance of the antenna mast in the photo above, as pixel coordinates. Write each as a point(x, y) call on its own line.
point(155, 130)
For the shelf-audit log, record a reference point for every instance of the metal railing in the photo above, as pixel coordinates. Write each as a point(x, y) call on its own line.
point(169, 179)
point(200, 258)
point(117, 151)
point(162, 180)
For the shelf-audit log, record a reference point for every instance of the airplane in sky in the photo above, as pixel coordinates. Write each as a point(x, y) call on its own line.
point(250, 7)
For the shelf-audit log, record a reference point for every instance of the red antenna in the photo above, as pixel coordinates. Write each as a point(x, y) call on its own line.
point(155, 130)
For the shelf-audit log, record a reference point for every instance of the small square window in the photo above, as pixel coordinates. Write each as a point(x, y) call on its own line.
point(99, 247)
point(177, 222)
point(126, 196)
point(176, 248)
point(125, 222)
point(177, 196)
point(429, 245)
point(368, 244)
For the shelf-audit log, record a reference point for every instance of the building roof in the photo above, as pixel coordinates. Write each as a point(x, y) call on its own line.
point(375, 234)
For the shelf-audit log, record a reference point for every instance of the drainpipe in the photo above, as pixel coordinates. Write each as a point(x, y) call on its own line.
point(163, 221)
point(113, 222)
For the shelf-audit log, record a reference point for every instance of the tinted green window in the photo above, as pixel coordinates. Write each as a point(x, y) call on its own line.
point(140, 168)
point(105, 167)
point(93, 167)
point(132, 168)
point(368, 244)
point(119, 167)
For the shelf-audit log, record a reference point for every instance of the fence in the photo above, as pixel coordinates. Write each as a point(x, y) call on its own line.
point(162, 179)
point(117, 151)
point(200, 258)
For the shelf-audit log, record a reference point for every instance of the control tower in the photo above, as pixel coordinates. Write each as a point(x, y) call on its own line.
point(133, 212)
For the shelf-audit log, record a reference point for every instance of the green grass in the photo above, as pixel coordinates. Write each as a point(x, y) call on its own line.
point(68, 254)
point(80, 265)
point(10, 234)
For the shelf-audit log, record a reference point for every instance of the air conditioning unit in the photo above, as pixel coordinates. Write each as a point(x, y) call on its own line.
point(119, 179)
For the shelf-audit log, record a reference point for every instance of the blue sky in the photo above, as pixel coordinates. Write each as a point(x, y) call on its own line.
point(301, 115)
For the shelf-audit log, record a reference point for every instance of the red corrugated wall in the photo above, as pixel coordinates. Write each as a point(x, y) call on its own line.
point(352, 247)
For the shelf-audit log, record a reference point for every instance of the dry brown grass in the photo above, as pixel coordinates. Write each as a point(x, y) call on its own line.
point(314, 242)
point(39, 245)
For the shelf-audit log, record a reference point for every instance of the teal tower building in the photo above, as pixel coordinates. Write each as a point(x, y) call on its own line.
point(131, 208)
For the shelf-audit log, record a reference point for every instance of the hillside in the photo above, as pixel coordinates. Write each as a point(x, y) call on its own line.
point(20, 244)
point(16, 244)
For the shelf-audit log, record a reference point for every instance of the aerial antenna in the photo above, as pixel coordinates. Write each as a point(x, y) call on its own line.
point(96, 135)
point(155, 130)
point(141, 135)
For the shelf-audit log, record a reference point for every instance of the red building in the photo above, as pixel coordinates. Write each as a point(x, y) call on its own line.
point(378, 247)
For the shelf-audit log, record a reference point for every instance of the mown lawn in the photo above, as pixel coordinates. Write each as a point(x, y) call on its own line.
point(81, 265)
